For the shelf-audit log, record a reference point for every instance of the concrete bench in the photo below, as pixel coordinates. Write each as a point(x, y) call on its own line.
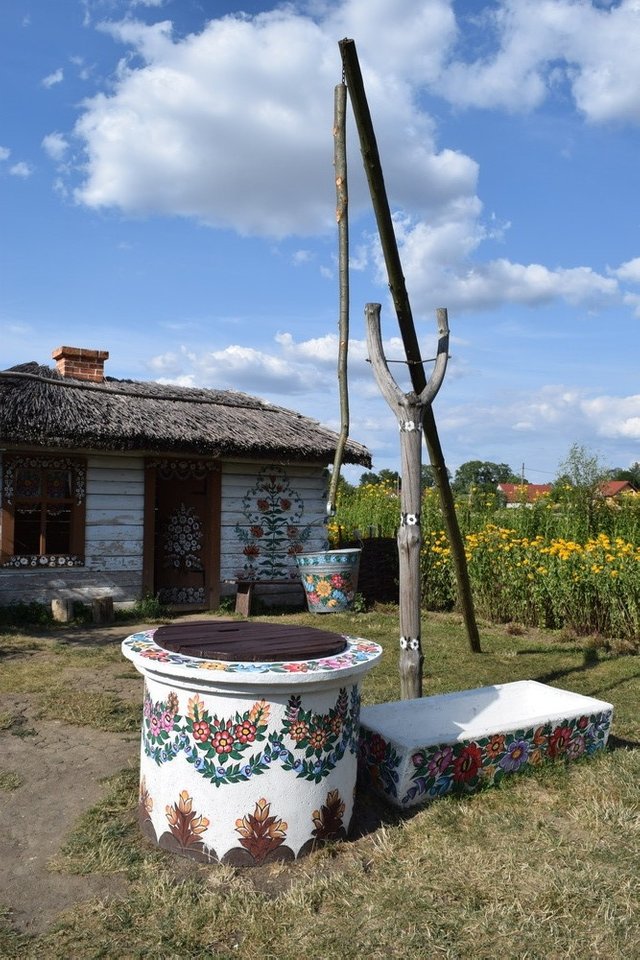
point(245, 592)
point(412, 751)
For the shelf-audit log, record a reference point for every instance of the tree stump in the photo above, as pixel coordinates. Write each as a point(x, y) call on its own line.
point(102, 609)
point(62, 610)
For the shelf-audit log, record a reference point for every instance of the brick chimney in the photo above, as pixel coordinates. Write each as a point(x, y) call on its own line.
point(80, 364)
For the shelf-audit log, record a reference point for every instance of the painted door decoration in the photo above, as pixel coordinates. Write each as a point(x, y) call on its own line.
point(272, 535)
point(182, 532)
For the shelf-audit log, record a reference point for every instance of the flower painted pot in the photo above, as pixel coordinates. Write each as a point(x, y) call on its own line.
point(247, 761)
point(330, 579)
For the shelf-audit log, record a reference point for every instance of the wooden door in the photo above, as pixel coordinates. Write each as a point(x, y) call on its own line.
point(185, 559)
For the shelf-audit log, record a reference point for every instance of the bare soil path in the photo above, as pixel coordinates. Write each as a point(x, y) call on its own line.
point(61, 767)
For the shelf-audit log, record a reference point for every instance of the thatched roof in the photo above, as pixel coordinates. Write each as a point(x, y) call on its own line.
point(144, 416)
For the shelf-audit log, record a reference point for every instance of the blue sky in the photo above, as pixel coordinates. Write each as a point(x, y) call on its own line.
point(167, 194)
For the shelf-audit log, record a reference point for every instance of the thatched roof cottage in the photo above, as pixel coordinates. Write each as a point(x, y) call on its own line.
point(122, 488)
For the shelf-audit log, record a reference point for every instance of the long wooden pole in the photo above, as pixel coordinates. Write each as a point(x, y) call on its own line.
point(397, 286)
point(342, 219)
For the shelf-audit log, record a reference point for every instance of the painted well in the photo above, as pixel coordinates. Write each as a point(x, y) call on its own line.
point(247, 761)
point(415, 750)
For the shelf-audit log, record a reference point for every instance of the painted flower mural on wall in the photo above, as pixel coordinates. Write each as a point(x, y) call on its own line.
point(271, 535)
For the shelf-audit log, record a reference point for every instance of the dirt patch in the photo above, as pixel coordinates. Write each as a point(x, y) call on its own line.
point(60, 768)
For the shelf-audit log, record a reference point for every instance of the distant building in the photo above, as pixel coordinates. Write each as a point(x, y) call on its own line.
point(519, 494)
point(613, 488)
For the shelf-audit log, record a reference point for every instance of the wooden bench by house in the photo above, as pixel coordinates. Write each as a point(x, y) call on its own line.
point(245, 592)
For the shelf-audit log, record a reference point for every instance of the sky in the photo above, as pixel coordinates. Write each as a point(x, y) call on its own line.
point(167, 194)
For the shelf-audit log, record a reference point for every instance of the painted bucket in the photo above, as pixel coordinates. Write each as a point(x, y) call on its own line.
point(330, 579)
point(245, 762)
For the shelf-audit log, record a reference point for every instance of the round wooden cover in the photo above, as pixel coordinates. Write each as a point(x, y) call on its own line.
point(248, 640)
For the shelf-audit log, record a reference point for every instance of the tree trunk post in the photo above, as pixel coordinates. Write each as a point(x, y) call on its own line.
point(408, 409)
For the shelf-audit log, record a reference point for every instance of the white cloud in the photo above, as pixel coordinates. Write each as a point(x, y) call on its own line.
point(53, 78)
point(5, 153)
point(55, 146)
point(615, 416)
point(21, 169)
point(557, 410)
point(440, 268)
point(232, 126)
point(629, 271)
point(542, 45)
point(236, 368)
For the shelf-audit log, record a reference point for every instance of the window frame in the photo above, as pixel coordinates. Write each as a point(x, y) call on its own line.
point(78, 466)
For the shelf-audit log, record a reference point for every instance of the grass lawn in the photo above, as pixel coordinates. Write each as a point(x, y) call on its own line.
point(546, 866)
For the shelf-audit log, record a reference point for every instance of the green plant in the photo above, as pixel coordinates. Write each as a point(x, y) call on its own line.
point(19, 614)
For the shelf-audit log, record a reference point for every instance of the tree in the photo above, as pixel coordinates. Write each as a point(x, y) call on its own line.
point(483, 474)
point(390, 477)
point(582, 469)
point(428, 476)
point(579, 484)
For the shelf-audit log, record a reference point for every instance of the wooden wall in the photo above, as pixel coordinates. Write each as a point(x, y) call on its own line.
point(115, 524)
point(238, 479)
point(113, 556)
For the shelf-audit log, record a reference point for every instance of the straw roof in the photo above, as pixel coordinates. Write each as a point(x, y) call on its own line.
point(41, 408)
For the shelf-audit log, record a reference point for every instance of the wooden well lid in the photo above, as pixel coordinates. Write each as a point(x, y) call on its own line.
point(248, 640)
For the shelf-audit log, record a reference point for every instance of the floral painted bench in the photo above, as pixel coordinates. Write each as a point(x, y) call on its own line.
point(412, 751)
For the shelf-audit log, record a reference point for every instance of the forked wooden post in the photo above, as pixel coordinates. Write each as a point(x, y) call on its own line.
point(408, 409)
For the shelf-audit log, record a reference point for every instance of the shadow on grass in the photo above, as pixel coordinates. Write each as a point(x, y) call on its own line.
point(619, 743)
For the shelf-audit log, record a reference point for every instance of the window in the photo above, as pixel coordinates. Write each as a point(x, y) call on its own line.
point(43, 506)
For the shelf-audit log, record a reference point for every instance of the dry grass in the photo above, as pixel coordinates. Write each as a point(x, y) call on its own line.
point(547, 866)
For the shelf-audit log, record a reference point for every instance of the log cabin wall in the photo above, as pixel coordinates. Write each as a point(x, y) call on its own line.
point(268, 514)
point(113, 542)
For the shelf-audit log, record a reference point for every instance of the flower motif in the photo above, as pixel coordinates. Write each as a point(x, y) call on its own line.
point(440, 761)
point(299, 731)
point(245, 732)
point(184, 824)
point(495, 747)
point(172, 702)
point(195, 707)
point(317, 738)
point(576, 747)
point(167, 721)
point(222, 742)
point(467, 763)
point(201, 731)
point(146, 800)
point(517, 754)
point(260, 833)
point(559, 741)
point(259, 712)
point(377, 747)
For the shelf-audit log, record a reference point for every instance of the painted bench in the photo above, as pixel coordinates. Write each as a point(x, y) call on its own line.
point(412, 751)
